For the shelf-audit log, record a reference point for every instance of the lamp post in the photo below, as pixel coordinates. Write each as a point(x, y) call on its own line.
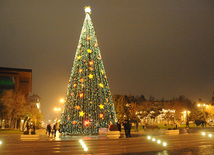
point(187, 118)
point(57, 111)
point(203, 106)
point(57, 123)
point(127, 110)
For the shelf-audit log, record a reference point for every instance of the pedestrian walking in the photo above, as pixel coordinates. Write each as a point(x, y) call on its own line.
point(187, 124)
point(27, 126)
point(129, 128)
point(126, 126)
point(49, 129)
point(136, 129)
point(54, 130)
point(119, 127)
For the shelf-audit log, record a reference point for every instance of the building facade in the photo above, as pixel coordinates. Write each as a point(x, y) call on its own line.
point(16, 79)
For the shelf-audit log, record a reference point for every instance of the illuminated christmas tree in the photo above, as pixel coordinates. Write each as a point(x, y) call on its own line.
point(89, 104)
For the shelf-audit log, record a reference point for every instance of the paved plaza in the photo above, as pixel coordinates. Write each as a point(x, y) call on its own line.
point(194, 143)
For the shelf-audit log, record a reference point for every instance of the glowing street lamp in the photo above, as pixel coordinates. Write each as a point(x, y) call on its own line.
point(203, 107)
point(62, 100)
point(57, 109)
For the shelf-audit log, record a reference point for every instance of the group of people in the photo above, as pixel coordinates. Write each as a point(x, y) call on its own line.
point(127, 127)
point(50, 130)
point(31, 126)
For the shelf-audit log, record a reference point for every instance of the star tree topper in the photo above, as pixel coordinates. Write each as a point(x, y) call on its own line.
point(88, 10)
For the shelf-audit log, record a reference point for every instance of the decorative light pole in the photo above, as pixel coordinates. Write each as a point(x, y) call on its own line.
point(57, 111)
point(203, 106)
point(187, 118)
point(127, 110)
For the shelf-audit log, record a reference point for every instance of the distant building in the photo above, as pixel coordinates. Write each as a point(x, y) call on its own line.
point(35, 102)
point(16, 79)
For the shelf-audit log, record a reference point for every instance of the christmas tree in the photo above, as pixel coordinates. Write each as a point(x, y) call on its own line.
point(88, 105)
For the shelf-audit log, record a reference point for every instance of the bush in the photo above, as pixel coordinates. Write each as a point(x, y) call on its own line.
point(198, 122)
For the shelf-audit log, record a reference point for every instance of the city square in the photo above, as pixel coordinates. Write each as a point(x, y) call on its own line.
point(141, 84)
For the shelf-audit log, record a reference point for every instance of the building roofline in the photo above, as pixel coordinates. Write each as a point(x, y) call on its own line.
point(15, 69)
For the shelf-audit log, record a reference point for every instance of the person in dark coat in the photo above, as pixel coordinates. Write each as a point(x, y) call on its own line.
point(126, 127)
point(49, 129)
point(27, 127)
point(34, 128)
point(119, 127)
point(129, 128)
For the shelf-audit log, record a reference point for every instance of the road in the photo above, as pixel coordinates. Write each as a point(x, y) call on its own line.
point(189, 144)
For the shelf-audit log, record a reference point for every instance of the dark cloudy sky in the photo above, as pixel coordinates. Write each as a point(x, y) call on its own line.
point(161, 48)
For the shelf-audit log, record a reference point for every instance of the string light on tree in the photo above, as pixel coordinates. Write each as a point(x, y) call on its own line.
point(101, 85)
point(79, 57)
point(87, 123)
point(101, 106)
point(81, 95)
point(89, 50)
point(91, 63)
point(74, 122)
point(81, 113)
point(77, 107)
point(101, 115)
point(91, 76)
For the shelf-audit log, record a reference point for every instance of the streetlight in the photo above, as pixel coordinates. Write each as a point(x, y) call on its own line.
point(62, 100)
point(57, 109)
point(57, 122)
point(203, 106)
point(127, 110)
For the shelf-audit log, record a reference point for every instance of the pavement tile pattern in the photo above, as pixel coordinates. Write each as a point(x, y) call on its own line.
point(181, 144)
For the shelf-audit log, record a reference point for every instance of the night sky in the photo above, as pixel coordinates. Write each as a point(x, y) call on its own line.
point(150, 47)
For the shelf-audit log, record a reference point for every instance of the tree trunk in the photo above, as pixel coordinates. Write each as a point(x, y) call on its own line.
point(23, 125)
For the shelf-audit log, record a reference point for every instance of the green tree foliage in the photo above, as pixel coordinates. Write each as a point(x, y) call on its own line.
point(120, 106)
point(153, 107)
point(180, 105)
point(209, 111)
point(13, 108)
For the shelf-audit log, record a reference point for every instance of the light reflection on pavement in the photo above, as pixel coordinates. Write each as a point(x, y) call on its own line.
point(178, 144)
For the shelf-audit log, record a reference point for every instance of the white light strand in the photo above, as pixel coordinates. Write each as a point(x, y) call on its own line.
point(158, 141)
point(83, 145)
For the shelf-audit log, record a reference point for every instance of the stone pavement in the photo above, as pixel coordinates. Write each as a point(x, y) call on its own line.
point(193, 143)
